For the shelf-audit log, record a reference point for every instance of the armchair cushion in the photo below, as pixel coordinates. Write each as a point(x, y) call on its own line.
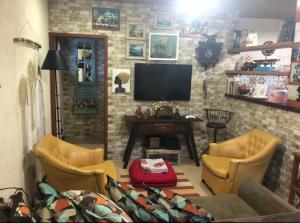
point(218, 165)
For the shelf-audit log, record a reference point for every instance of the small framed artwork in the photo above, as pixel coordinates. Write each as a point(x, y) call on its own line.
point(136, 31)
point(164, 21)
point(295, 73)
point(163, 46)
point(105, 18)
point(121, 81)
point(136, 50)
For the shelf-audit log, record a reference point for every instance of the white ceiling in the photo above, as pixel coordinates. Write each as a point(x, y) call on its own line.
point(271, 9)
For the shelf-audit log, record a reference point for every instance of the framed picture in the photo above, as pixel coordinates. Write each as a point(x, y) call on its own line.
point(295, 73)
point(164, 21)
point(106, 18)
point(136, 50)
point(136, 31)
point(163, 46)
point(121, 81)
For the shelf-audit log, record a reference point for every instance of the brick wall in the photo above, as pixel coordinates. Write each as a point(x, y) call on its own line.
point(75, 17)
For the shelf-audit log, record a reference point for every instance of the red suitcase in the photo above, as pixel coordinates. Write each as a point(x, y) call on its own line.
point(140, 177)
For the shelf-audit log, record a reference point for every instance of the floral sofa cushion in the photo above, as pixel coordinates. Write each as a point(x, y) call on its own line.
point(97, 207)
point(139, 207)
point(179, 208)
point(61, 208)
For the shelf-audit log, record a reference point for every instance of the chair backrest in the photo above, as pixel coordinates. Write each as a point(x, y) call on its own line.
point(218, 116)
point(56, 158)
point(260, 141)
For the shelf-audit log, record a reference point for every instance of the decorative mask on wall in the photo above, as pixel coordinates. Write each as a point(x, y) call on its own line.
point(208, 52)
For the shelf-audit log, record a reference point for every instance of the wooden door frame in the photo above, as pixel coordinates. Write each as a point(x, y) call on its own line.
point(52, 45)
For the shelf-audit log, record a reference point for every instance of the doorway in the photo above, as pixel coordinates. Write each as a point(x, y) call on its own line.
point(79, 108)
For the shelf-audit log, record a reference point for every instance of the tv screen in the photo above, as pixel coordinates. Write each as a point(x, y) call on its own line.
point(162, 82)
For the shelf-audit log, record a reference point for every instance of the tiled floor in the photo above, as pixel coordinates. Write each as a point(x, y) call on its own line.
point(188, 167)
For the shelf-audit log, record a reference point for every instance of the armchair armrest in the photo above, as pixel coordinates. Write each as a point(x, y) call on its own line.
point(253, 167)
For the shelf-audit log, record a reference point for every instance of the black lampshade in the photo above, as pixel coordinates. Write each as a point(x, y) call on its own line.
point(54, 61)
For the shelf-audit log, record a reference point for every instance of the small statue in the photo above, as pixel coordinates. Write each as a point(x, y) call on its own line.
point(147, 114)
point(138, 112)
point(177, 114)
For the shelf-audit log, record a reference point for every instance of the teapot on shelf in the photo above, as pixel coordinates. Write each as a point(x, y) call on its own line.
point(244, 89)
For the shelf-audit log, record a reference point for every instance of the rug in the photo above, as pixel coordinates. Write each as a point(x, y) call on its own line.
point(184, 187)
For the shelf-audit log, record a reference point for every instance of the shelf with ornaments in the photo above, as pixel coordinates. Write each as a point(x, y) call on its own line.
point(271, 46)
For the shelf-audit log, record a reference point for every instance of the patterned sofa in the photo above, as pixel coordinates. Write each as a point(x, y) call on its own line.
point(252, 203)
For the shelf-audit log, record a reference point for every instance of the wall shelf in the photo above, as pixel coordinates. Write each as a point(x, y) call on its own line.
point(287, 44)
point(290, 106)
point(261, 73)
point(294, 83)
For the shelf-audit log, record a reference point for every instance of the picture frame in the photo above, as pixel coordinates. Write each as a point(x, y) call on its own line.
point(136, 31)
point(295, 73)
point(163, 46)
point(105, 18)
point(136, 50)
point(164, 21)
point(121, 80)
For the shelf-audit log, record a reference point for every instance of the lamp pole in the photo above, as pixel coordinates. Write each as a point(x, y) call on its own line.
point(55, 61)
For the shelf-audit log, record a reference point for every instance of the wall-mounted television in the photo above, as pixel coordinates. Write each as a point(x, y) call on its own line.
point(162, 82)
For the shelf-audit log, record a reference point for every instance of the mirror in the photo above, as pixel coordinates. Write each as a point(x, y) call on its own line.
point(84, 50)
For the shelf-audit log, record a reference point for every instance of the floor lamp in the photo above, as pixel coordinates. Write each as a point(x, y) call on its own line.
point(55, 61)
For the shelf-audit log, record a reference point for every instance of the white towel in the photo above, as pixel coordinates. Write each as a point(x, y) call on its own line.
point(154, 165)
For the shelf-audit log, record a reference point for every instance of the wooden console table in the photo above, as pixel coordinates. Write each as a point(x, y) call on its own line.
point(153, 126)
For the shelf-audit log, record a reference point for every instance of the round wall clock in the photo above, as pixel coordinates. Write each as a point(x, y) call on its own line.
point(268, 53)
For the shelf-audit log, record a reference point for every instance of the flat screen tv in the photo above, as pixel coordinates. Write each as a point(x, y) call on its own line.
point(162, 82)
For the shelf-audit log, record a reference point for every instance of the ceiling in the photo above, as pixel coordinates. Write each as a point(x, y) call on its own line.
point(271, 9)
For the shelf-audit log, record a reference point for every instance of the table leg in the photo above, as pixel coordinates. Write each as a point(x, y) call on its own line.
point(194, 150)
point(188, 145)
point(129, 148)
point(128, 142)
point(293, 180)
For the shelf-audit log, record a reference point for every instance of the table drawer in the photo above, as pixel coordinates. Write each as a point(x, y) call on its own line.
point(162, 128)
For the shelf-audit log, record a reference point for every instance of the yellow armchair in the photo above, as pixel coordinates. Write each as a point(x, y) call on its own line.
point(71, 167)
point(230, 162)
